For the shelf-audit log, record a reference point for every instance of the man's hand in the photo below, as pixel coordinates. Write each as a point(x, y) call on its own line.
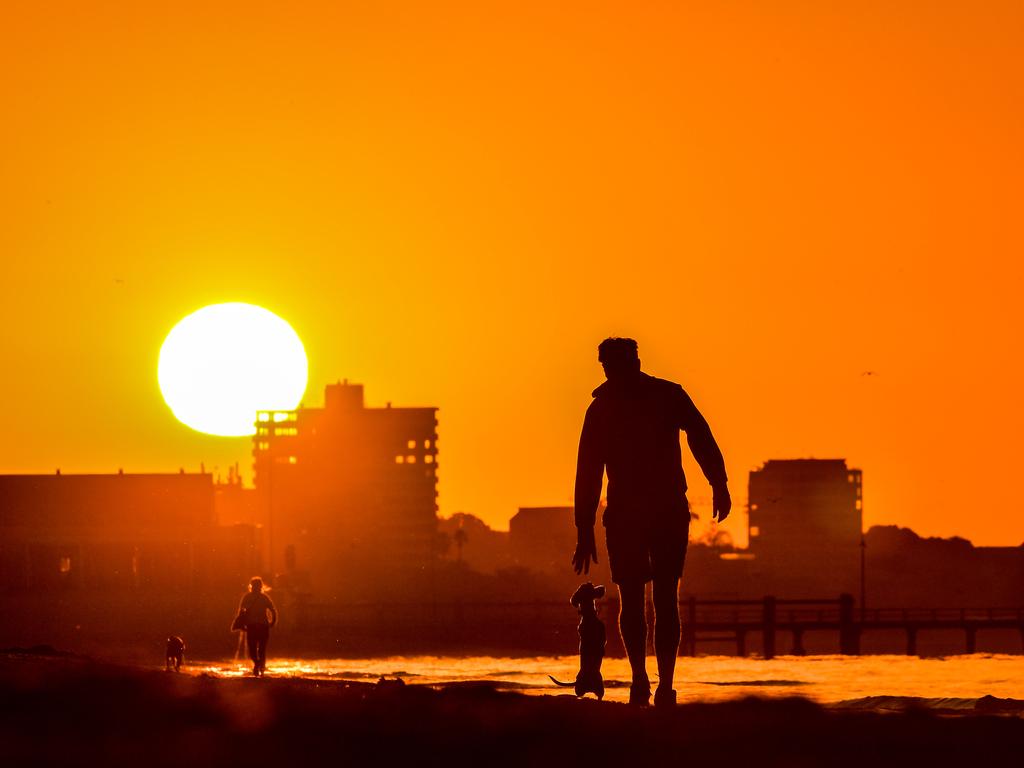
point(722, 503)
point(586, 550)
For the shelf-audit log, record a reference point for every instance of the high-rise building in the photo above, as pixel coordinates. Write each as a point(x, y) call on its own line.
point(806, 526)
point(348, 494)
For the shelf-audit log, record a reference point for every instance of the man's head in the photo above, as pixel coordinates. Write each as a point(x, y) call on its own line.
point(256, 584)
point(619, 358)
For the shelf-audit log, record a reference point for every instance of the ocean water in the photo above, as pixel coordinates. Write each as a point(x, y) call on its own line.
point(826, 679)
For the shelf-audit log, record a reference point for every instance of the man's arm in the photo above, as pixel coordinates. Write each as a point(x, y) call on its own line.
point(706, 451)
point(589, 476)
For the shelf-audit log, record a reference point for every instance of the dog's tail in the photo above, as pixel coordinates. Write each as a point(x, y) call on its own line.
point(561, 684)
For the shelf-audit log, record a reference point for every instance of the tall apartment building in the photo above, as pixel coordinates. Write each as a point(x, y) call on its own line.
point(806, 523)
point(348, 494)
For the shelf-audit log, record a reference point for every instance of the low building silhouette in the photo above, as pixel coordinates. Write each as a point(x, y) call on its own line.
point(905, 569)
point(542, 538)
point(116, 555)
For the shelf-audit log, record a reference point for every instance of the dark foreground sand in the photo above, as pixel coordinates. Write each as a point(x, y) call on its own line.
point(65, 710)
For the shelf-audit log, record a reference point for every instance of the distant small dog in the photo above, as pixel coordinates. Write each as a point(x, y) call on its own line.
point(592, 642)
point(175, 655)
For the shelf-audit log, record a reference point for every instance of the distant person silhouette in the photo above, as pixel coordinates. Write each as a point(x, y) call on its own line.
point(631, 431)
point(256, 615)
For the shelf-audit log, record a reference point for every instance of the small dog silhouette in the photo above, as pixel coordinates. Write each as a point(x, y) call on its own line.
point(592, 642)
point(175, 655)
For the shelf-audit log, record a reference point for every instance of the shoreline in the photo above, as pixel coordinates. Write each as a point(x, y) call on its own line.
point(71, 710)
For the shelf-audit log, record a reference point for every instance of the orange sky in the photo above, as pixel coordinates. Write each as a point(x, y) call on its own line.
point(453, 203)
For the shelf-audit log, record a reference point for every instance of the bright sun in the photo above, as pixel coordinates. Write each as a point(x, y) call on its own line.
point(224, 362)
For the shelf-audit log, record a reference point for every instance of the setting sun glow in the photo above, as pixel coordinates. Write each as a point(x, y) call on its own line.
point(224, 362)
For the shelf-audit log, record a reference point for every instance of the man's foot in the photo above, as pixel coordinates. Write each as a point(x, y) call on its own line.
point(640, 693)
point(664, 697)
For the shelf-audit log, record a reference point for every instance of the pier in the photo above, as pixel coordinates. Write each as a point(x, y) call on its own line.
point(769, 626)
point(736, 620)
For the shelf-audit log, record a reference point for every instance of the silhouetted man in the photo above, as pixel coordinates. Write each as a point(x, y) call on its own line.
point(631, 430)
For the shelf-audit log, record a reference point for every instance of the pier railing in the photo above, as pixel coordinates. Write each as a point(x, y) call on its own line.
point(734, 620)
point(771, 625)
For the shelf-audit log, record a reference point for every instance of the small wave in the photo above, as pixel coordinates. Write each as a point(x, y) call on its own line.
point(763, 683)
point(981, 705)
point(343, 675)
point(482, 685)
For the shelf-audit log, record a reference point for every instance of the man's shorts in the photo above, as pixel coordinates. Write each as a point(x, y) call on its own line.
point(648, 545)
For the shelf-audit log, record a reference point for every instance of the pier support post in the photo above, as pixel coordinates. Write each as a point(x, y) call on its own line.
point(911, 641)
point(971, 633)
point(768, 627)
point(798, 643)
point(741, 642)
point(849, 632)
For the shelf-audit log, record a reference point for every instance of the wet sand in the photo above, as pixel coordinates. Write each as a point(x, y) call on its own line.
point(68, 710)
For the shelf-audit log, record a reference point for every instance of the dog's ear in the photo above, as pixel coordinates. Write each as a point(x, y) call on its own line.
point(581, 594)
point(599, 591)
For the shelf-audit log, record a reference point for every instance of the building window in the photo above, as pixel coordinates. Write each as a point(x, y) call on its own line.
point(279, 417)
point(428, 459)
point(426, 443)
point(410, 459)
point(754, 531)
point(293, 460)
point(263, 417)
point(65, 564)
point(399, 459)
point(411, 444)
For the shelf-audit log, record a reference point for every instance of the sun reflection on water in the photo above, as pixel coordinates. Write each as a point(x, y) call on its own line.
point(707, 678)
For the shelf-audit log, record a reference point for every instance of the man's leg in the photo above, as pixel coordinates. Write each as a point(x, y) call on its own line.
point(633, 628)
point(666, 629)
